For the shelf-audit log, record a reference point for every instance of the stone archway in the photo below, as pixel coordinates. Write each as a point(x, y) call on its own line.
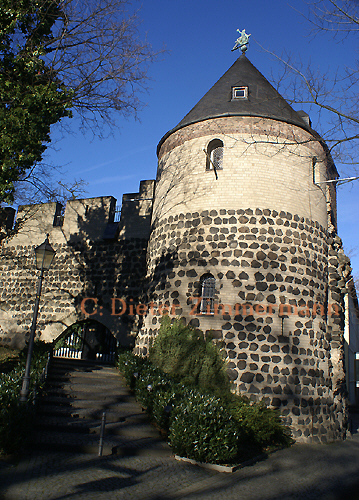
point(88, 340)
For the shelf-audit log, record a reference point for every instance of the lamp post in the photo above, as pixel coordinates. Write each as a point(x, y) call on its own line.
point(44, 255)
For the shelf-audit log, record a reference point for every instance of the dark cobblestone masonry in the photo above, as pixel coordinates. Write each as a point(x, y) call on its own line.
point(264, 258)
point(100, 270)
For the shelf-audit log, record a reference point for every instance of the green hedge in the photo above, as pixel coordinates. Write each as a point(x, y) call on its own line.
point(130, 366)
point(203, 429)
point(200, 424)
point(165, 403)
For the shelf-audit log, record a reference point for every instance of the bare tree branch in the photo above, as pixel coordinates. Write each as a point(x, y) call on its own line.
point(337, 16)
point(39, 186)
point(97, 52)
point(333, 94)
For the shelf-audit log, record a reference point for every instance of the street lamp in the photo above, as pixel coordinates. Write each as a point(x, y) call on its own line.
point(44, 255)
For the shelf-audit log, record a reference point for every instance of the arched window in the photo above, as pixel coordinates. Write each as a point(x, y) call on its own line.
point(214, 155)
point(208, 295)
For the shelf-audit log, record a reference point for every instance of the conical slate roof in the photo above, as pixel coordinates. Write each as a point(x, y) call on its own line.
point(263, 99)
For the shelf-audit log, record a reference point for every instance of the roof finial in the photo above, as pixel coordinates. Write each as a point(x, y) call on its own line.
point(242, 41)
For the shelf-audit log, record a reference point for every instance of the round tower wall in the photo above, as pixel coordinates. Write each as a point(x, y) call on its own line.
point(260, 231)
point(265, 163)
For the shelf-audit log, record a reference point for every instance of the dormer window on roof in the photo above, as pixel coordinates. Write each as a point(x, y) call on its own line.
point(239, 93)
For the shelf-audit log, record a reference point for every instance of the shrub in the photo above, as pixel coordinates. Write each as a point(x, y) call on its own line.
point(180, 350)
point(17, 418)
point(203, 429)
point(149, 382)
point(10, 384)
point(154, 388)
point(130, 364)
point(165, 403)
point(8, 358)
point(261, 425)
point(16, 423)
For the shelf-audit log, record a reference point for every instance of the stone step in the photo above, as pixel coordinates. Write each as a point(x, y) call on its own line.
point(75, 448)
point(58, 396)
point(126, 423)
point(71, 408)
point(88, 398)
point(85, 368)
point(96, 371)
point(69, 424)
point(82, 369)
point(64, 427)
point(129, 430)
point(83, 378)
point(97, 388)
point(81, 413)
point(103, 404)
point(125, 451)
point(78, 366)
point(71, 386)
point(89, 443)
point(74, 362)
point(74, 404)
point(125, 427)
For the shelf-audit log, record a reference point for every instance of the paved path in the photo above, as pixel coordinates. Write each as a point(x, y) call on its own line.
point(318, 472)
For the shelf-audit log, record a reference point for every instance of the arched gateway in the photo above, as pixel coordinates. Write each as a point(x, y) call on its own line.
point(87, 340)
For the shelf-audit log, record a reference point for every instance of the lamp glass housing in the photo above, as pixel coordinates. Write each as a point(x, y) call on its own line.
point(44, 255)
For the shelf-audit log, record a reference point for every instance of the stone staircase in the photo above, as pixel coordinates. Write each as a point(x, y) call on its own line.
point(69, 413)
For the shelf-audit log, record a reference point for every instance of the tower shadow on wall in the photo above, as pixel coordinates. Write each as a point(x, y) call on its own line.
point(110, 268)
point(157, 288)
point(133, 235)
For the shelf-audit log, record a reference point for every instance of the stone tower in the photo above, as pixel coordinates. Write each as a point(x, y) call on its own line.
point(244, 245)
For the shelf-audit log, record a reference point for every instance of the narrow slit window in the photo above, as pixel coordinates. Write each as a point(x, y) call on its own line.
point(239, 93)
point(59, 215)
point(214, 155)
point(208, 295)
point(314, 163)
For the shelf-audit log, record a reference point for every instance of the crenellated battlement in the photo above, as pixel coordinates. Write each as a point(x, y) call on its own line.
point(91, 219)
point(100, 254)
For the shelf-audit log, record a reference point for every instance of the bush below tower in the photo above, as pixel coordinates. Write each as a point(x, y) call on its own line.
point(202, 419)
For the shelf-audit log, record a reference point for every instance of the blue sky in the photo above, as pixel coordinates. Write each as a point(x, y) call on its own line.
point(198, 36)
